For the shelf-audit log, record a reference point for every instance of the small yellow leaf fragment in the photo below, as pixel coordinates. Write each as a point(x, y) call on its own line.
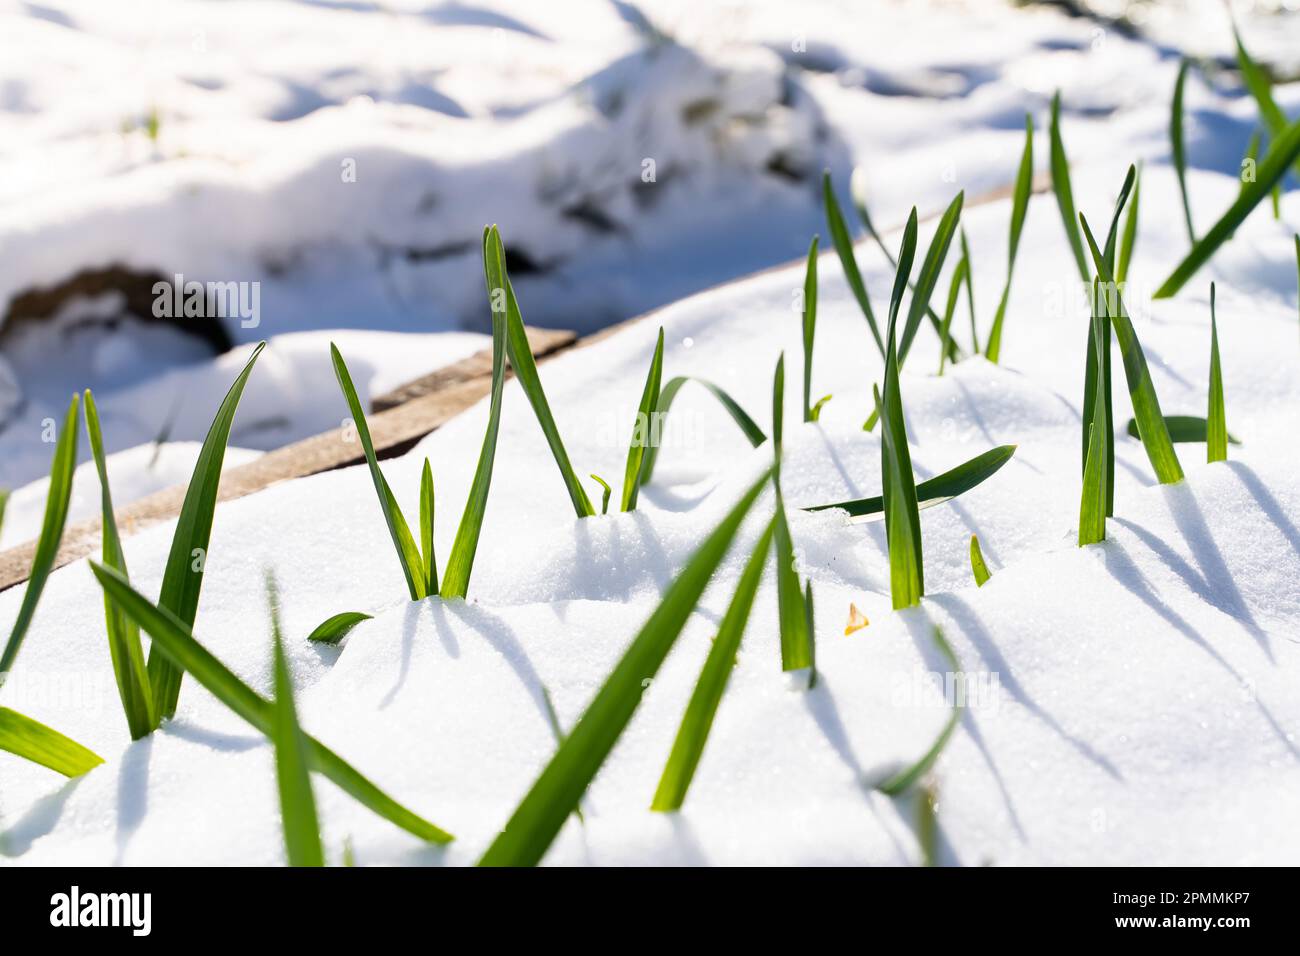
point(857, 620)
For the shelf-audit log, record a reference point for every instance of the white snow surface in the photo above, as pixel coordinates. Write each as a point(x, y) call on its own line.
point(1137, 701)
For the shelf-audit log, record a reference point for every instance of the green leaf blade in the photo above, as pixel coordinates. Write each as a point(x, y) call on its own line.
point(125, 649)
point(34, 741)
point(298, 815)
point(697, 721)
point(1283, 151)
point(183, 574)
point(753, 434)
point(62, 468)
point(520, 354)
point(645, 429)
point(936, 491)
point(333, 629)
point(844, 249)
point(1216, 428)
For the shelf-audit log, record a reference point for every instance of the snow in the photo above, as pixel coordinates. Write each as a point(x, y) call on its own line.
point(1136, 698)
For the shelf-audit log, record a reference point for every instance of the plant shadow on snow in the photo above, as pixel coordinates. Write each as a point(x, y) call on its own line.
point(973, 629)
point(40, 820)
point(1266, 501)
point(132, 794)
point(1125, 572)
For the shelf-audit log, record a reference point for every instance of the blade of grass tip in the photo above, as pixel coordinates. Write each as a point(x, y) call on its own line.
point(1279, 157)
point(408, 552)
point(605, 493)
point(298, 815)
point(645, 430)
point(34, 741)
point(538, 818)
point(977, 564)
point(62, 468)
point(1019, 209)
point(1216, 429)
point(173, 637)
point(334, 629)
point(1142, 392)
point(858, 186)
point(1060, 168)
point(124, 646)
point(753, 434)
point(1129, 240)
point(844, 249)
point(936, 491)
point(183, 575)
point(817, 408)
point(791, 613)
point(970, 293)
point(460, 563)
point(809, 326)
point(954, 290)
point(902, 781)
point(522, 361)
point(697, 721)
point(1178, 146)
point(426, 530)
point(4, 503)
point(928, 278)
point(1261, 88)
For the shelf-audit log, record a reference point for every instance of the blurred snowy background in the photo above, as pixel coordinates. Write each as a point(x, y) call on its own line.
point(341, 158)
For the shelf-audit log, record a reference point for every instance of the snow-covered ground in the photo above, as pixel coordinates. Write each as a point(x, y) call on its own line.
point(1136, 698)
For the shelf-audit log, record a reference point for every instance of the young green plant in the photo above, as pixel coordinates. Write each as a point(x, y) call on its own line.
point(172, 637)
point(902, 521)
point(1146, 406)
point(796, 642)
point(1093, 503)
